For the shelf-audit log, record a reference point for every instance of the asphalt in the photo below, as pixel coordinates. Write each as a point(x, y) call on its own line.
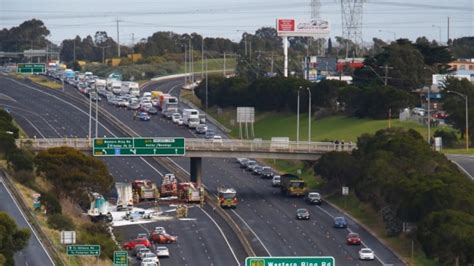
point(34, 253)
point(46, 113)
point(262, 210)
point(465, 163)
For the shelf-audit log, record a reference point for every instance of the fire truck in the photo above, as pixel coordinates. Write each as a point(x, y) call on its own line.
point(144, 190)
point(189, 192)
point(227, 197)
point(169, 186)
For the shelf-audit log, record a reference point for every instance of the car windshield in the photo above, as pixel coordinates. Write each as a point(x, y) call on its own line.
point(297, 185)
point(340, 220)
point(366, 251)
point(302, 211)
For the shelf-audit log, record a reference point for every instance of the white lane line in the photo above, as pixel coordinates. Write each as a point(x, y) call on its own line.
point(253, 232)
point(24, 217)
point(172, 88)
point(350, 231)
point(462, 169)
point(223, 235)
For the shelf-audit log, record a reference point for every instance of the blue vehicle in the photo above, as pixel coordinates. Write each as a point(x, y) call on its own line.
point(340, 222)
point(143, 116)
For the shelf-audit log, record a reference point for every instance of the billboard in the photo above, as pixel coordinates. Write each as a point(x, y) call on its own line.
point(296, 28)
point(245, 114)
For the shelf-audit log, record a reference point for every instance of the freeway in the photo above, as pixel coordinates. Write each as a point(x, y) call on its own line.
point(267, 215)
point(34, 253)
point(203, 240)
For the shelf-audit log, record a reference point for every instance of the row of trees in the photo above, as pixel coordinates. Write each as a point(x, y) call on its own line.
point(436, 196)
point(280, 94)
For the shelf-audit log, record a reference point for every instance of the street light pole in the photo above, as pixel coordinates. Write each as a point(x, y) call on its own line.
point(96, 114)
point(467, 116)
point(298, 116)
point(90, 117)
point(309, 115)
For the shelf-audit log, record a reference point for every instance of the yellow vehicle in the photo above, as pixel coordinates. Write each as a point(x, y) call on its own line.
point(156, 94)
point(227, 197)
point(292, 185)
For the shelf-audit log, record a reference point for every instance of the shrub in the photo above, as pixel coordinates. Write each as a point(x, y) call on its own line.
point(98, 234)
point(449, 138)
point(60, 222)
point(20, 159)
point(25, 177)
point(51, 203)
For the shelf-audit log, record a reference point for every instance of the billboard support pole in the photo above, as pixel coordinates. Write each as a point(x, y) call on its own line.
point(285, 52)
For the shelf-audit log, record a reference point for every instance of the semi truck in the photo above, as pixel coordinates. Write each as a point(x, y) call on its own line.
point(292, 185)
point(100, 84)
point(134, 89)
point(169, 105)
point(191, 117)
point(99, 208)
point(227, 197)
point(124, 196)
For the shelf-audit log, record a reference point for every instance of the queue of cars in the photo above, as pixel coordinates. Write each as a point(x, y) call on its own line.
point(312, 198)
point(145, 246)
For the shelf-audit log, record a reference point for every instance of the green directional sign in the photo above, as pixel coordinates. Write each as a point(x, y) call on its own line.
point(120, 258)
point(290, 261)
point(138, 147)
point(31, 68)
point(83, 250)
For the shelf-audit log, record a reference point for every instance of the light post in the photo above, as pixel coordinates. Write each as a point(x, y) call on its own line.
point(298, 116)
point(467, 116)
point(309, 115)
point(394, 34)
point(90, 117)
point(96, 113)
point(439, 28)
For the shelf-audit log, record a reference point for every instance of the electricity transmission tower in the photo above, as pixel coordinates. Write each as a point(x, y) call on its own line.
point(351, 12)
point(315, 9)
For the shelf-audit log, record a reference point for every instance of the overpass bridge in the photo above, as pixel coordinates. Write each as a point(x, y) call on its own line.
point(196, 149)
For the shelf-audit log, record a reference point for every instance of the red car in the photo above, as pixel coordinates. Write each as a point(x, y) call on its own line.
point(140, 241)
point(162, 238)
point(353, 239)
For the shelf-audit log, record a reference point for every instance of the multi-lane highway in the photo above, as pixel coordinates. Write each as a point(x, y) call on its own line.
point(34, 254)
point(266, 216)
point(45, 113)
point(465, 164)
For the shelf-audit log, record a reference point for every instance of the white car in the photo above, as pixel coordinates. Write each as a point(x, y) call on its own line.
point(147, 94)
point(150, 255)
point(366, 254)
point(155, 102)
point(175, 117)
point(146, 104)
point(160, 230)
point(217, 139)
point(149, 262)
point(180, 122)
point(162, 251)
point(141, 252)
point(276, 181)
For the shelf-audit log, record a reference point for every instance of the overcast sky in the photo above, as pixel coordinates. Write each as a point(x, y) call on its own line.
point(230, 18)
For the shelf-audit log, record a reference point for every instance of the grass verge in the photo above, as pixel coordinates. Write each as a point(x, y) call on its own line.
point(43, 81)
point(212, 64)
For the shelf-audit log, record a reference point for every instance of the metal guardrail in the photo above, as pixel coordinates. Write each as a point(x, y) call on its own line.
point(195, 144)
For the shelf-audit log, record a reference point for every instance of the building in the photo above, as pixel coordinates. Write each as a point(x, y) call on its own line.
point(463, 64)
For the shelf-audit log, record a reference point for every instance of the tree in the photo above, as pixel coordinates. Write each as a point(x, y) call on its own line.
point(72, 173)
point(30, 34)
point(337, 169)
point(455, 105)
point(463, 47)
point(329, 51)
point(12, 238)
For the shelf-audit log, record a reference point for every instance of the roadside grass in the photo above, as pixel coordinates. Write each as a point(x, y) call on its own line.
point(43, 81)
point(190, 96)
point(212, 65)
point(296, 167)
point(458, 151)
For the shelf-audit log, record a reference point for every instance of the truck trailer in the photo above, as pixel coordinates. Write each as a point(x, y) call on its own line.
point(292, 185)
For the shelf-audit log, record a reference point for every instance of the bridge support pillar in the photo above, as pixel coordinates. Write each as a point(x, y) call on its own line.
point(196, 170)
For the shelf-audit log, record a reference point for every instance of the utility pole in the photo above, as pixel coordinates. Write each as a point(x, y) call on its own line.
point(202, 58)
point(118, 40)
point(185, 65)
point(448, 30)
point(224, 65)
point(133, 45)
point(207, 87)
point(386, 77)
point(298, 116)
point(74, 51)
point(271, 66)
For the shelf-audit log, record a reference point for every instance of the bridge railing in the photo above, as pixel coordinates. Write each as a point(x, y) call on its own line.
point(266, 146)
point(195, 144)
